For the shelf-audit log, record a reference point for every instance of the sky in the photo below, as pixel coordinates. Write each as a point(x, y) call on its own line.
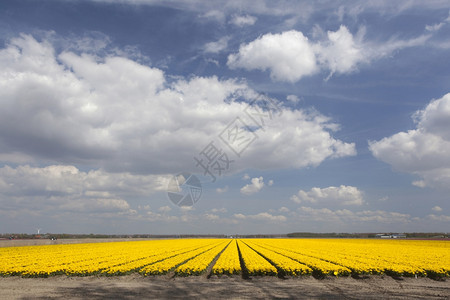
point(262, 116)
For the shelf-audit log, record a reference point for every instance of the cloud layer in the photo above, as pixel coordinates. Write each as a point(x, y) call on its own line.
point(114, 113)
point(63, 188)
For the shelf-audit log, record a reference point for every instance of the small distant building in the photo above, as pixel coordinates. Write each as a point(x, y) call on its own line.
point(382, 236)
point(390, 236)
point(399, 236)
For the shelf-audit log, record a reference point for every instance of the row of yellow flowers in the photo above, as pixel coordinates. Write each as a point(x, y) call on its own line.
point(228, 262)
point(88, 259)
point(200, 263)
point(319, 266)
point(394, 257)
point(134, 260)
point(286, 265)
point(165, 265)
point(257, 257)
point(254, 263)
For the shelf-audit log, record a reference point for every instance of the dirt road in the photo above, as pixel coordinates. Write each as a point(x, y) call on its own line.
point(160, 287)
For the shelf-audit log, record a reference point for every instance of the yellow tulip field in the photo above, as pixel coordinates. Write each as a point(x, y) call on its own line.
point(222, 257)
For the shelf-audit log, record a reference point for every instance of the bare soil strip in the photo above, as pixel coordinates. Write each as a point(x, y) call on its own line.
point(226, 287)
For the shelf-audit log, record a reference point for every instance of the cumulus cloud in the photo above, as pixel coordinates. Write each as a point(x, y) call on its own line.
point(256, 185)
point(436, 208)
point(222, 190)
point(290, 56)
point(421, 151)
point(242, 20)
point(342, 195)
point(340, 53)
point(119, 115)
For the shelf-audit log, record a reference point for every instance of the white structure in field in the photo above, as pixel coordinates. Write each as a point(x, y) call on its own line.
point(391, 236)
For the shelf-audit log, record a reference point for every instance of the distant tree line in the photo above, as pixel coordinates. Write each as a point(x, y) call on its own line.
point(365, 235)
point(175, 236)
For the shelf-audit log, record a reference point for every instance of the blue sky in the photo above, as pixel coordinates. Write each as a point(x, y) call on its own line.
point(104, 102)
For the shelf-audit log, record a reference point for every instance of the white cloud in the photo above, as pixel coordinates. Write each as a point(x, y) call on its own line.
point(246, 177)
point(270, 183)
point(264, 216)
point(421, 151)
point(186, 208)
point(214, 15)
point(145, 207)
point(222, 190)
point(242, 20)
point(298, 9)
point(218, 46)
point(116, 114)
point(156, 217)
point(310, 145)
point(219, 210)
point(436, 27)
point(256, 185)
point(293, 98)
point(164, 209)
point(436, 208)
point(212, 217)
point(342, 195)
point(340, 53)
point(66, 188)
point(289, 56)
point(388, 48)
point(283, 209)
point(419, 183)
point(239, 216)
point(439, 218)
point(96, 205)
